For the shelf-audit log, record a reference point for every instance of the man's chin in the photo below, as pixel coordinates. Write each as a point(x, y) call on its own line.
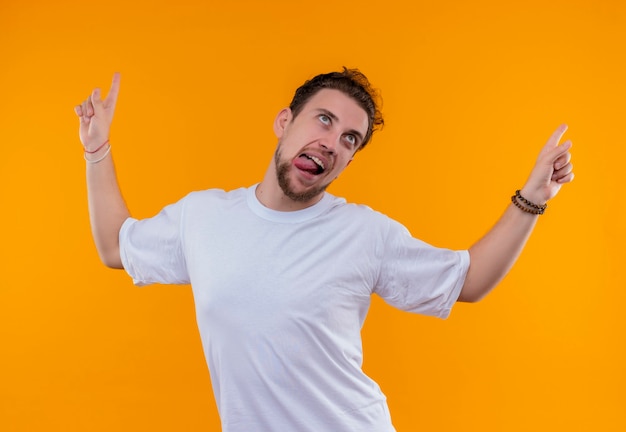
point(303, 195)
point(294, 189)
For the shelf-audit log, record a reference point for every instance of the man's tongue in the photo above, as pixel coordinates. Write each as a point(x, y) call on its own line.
point(305, 164)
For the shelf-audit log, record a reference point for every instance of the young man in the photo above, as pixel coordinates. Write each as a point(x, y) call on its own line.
point(282, 272)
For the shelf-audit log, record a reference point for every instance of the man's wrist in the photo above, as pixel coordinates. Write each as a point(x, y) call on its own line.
point(98, 154)
point(526, 205)
point(94, 150)
point(535, 197)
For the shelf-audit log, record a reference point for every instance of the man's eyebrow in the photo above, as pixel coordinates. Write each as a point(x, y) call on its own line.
point(335, 118)
point(328, 113)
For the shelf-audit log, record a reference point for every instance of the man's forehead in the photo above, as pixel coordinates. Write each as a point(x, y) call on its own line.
point(332, 96)
point(340, 104)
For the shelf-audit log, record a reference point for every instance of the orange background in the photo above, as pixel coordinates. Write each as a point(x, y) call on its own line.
point(472, 90)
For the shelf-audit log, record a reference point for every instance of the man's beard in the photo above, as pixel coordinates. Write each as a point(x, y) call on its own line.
point(282, 171)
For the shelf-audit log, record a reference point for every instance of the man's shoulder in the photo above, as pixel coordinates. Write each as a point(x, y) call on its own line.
point(215, 194)
point(207, 200)
point(357, 211)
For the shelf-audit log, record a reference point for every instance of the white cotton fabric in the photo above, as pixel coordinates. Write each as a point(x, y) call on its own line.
point(281, 298)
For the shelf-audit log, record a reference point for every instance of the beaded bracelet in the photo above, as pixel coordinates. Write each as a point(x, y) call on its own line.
point(529, 206)
point(106, 153)
point(529, 203)
point(98, 149)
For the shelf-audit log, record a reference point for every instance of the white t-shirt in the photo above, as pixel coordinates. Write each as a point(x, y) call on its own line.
point(281, 298)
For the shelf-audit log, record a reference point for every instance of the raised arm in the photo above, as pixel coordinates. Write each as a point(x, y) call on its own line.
point(494, 254)
point(107, 209)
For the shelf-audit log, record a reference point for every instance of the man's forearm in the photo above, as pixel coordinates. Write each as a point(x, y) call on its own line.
point(107, 209)
point(493, 255)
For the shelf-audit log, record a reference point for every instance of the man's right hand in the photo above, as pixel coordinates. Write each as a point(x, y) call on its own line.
point(96, 116)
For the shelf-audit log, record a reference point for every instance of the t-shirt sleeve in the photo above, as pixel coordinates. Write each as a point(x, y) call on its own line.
point(417, 277)
point(151, 249)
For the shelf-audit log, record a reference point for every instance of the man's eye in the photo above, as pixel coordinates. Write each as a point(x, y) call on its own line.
point(324, 119)
point(351, 139)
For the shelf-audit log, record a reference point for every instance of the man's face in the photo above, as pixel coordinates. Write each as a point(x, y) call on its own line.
point(318, 144)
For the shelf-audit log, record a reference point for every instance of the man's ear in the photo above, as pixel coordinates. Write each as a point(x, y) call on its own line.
point(281, 121)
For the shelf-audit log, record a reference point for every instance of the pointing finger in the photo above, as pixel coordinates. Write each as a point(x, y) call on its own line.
point(556, 136)
point(111, 98)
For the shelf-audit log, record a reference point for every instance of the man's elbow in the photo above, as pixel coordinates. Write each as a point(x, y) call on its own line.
point(473, 292)
point(111, 259)
point(477, 285)
point(470, 297)
point(113, 264)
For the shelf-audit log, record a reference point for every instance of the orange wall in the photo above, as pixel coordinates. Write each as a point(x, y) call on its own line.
point(472, 90)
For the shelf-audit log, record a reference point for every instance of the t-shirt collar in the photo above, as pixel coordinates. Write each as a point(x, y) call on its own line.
point(296, 216)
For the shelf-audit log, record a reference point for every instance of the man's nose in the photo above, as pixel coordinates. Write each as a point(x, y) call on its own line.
point(329, 142)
